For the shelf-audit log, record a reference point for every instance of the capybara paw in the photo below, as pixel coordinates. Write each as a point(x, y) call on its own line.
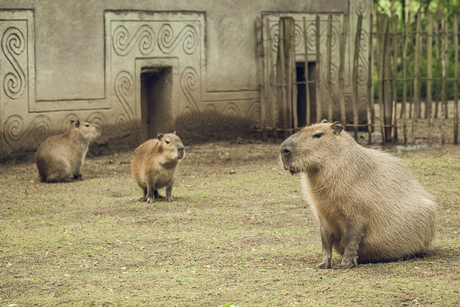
point(323, 265)
point(344, 266)
point(142, 199)
point(169, 199)
point(159, 196)
point(150, 200)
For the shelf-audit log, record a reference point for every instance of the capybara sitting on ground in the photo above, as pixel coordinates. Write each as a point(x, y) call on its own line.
point(368, 205)
point(154, 164)
point(60, 157)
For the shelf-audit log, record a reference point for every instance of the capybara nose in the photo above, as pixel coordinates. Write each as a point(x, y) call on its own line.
point(286, 148)
point(180, 151)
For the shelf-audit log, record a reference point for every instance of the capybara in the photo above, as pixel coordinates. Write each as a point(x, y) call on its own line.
point(368, 205)
point(155, 163)
point(60, 157)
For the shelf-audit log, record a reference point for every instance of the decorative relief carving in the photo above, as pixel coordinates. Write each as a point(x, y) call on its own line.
point(13, 45)
point(362, 7)
point(189, 83)
point(362, 60)
point(210, 115)
point(167, 42)
point(66, 122)
point(124, 89)
point(15, 133)
point(122, 125)
point(123, 44)
point(230, 116)
point(254, 116)
point(98, 118)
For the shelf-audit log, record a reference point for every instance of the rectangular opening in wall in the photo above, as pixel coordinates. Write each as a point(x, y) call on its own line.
point(156, 95)
point(301, 93)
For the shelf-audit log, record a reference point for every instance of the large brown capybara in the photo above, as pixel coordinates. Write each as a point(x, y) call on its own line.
point(155, 163)
point(368, 205)
point(60, 157)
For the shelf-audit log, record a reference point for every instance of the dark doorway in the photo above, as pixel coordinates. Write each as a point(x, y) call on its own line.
point(301, 93)
point(156, 95)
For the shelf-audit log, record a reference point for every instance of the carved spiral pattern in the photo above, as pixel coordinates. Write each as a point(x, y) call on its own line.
point(13, 45)
point(66, 122)
point(230, 115)
point(14, 129)
point(97, 118)
point(210, 116)
point(361, 7)
point(189, 83)
point(123, 44)
point(275, 35)
point(124, 89)
point(167, 42)
point(122, 125)
point(334, 75)
point(254, 116)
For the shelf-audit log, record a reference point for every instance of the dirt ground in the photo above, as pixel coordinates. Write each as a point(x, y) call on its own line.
point(238, 232)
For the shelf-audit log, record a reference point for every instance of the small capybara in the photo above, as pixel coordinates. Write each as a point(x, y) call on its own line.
point(155, 163)
point(60, 157)
point(368, 205)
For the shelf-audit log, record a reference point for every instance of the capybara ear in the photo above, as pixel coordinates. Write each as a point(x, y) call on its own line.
point(77, 124)
point(160, 136)
point(324, 121)
point(174, 132)
point(337, 127)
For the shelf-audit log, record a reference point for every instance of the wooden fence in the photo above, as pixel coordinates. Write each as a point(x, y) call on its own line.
point(394, 59)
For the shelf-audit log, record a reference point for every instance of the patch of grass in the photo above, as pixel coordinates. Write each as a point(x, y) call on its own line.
point(238, 233)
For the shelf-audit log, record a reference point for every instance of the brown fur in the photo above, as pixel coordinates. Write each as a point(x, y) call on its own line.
point(368, 205)
point(155, 163)
point(60, 157)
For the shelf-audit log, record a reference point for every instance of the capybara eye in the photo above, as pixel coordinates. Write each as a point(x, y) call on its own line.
point(317, 135)
point(86, 125)
point(167, 142)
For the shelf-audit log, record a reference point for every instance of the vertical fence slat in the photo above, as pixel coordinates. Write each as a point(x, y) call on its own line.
point(437, 94)
point(444, 77)
point(281, 73)
point(387, 84)
point(455, 37)
point(355, 75)
point(319, 112)
point(382, 24)
point(370, 82)
point(293, 77)
point(394, 131)
point(429, 83)
point(307, 82)
point(417, 77)
point(329, 66)
point(288, 76)
point(271, 71)
point(343, 44)
point(261, 77)
point(404, 67)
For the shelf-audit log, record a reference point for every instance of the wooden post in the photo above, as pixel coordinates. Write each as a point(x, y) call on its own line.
point(429, 72)
point(355, 75)
point(394, 130)
point(417, 75)
point(281, 78)
point(261, 77)
point(293, 77)
point(437, 97)
point(404, 67)
point(444, 76)
point(319, 111)
point(288, 75)
point(455, 38)
point(307, 83)
point(329, 66)
point(387, 88)
point(370, 82)
point(343, 44)
point(271, 72)
point(382, 25)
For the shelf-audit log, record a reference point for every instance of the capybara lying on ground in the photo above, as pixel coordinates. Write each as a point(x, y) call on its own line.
point(60, 157)
point(368, 205)
point(154, 164)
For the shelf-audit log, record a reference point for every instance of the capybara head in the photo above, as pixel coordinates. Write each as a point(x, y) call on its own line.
point(89, 131)
point(313, 147)
point(172, 145)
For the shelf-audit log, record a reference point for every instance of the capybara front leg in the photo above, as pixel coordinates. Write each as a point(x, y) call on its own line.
point(169, 191)
point(352, 239)
point(326, 239)
point(151, 193)
point(144, 197)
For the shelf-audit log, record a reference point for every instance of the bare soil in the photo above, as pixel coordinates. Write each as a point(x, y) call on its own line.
point(238, 232)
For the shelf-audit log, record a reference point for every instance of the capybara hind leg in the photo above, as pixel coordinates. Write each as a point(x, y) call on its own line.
point(57, 177)
point(168, 191)
point(157, 194)
point(352, 239)
point(326, 239)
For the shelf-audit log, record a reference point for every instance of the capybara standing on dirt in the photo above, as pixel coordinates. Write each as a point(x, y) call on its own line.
point(154, 164)
point(368, 205)
point(60, 157)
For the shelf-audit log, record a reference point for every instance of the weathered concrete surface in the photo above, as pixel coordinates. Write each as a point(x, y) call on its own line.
point(61, 61)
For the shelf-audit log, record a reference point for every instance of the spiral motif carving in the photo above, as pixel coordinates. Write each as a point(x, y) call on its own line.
point(254, 116)
point(124, 89)
point(275, 36)
point(231, 114)
point(66, 122)
point(122, 125)
point(189, 83)
point(97, 118)
point(167, 42)
point(123, 44)
point(210, 116)
point(362, 7)
point(14, 129)
point(13, 45)
point(334, 75)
